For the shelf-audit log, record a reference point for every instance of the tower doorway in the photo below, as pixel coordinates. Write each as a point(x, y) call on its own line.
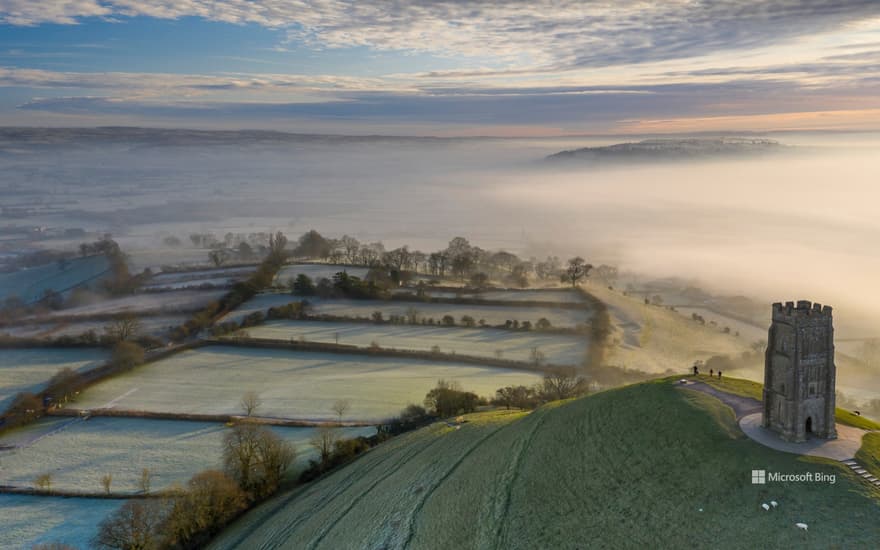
point(809, 427)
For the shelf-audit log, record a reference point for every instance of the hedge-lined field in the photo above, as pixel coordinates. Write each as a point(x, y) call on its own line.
point(293, 385)
point(79, 453)
point(31, 368)
point(557, 349)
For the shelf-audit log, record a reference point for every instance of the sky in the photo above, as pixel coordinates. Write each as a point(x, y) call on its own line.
point(532, 68)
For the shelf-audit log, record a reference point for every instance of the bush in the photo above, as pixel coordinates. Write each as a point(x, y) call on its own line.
point(448, 399)
point(127, 355)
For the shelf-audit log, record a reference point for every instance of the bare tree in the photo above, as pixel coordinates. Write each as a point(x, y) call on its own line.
point(324, 440)
point(125, 328)
point(576, 270)
point(136, 525)
point(256, 458)
point(563, 384)
point(146, 480)
point(340, 407)
point(250, 402)
point(106, 480)
point(211, 500)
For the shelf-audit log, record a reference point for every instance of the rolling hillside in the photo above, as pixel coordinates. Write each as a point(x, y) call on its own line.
point(648, 465)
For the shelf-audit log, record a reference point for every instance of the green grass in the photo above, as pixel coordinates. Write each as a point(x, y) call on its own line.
point(869, 454)
point(748, 388)
point(623, 468)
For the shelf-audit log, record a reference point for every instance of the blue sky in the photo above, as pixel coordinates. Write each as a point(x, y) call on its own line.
point(442, 68)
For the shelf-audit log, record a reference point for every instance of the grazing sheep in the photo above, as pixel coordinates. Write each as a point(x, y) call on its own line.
point(801, 526)
point(765, 506)
point(774, 504)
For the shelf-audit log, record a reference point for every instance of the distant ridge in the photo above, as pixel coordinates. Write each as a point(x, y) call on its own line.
point(672, 149)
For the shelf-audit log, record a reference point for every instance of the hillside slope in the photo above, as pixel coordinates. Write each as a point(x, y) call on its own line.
point(647, 465)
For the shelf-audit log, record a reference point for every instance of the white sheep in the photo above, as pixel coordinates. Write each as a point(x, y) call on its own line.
point(765, 506)
point(801, 526)
point(774, 504)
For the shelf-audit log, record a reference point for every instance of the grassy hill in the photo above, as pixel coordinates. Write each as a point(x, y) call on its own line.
point(647, 465)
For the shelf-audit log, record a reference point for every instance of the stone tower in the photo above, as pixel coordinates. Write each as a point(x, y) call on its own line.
point(799, 372)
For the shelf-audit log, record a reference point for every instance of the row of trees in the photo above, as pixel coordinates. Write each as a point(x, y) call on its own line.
point(460, 259)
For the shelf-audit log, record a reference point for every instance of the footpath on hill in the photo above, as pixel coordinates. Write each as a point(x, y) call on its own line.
point(748, 416)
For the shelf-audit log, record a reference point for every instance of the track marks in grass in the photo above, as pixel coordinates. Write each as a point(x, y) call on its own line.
point(402, 458)
point(413, 516)
point(502, 508)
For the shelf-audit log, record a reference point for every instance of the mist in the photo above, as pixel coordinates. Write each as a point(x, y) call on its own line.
point(798, 225)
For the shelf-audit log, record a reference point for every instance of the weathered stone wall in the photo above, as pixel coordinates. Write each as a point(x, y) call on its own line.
point(799, 372)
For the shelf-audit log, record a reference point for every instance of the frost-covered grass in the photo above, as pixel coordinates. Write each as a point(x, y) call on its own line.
point(562, 295)
point(30, 284)
point(654, 339)
point(179, 300)
point(29, 369)
point(151, 325)
point(291, 384)
point(558, 349)
point(317, 271)
point(192, 279)
point(493, 315)
point(643, 466)
point(79, 453)
point(29, 520)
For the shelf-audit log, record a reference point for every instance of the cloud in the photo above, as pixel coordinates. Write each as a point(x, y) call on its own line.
point(543, 33)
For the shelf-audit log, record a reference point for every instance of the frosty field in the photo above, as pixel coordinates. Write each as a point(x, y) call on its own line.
point(178, 300)
point(79, 453)
point(29, 284)
point(493, 315)
point(482, 342)
point(192, 279)
point(291, 384)
point(29, 369)
point(591, 472)
point(29, 520)
point(317, 271)
point(562, 295)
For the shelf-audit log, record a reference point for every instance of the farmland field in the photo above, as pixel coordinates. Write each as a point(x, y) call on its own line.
point(29, 369)
point(78, 453)
point(29, 520)
point(291, 384)
point(149, 325)
point(482, 342)
point(493, 315)
point(562, 295)
point(192, 279)
point(178, 300)
point(563, 477)
point(317, 271)
point(30, 284)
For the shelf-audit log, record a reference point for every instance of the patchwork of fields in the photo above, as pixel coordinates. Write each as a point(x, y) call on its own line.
point(211, 379)
point(79, 453)
point(29, 369)
point(558, 349)
point(292, 385)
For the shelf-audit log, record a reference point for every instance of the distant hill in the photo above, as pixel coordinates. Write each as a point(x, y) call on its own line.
point(672, 149)
point(647, 465)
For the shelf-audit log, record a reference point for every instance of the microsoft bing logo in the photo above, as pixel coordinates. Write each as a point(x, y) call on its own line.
point(759, 477)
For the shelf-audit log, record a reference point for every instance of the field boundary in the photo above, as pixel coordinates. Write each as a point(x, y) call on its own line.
point(200, 417)
point(324, 347)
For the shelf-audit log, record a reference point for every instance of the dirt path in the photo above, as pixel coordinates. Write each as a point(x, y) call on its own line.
point(742, 406)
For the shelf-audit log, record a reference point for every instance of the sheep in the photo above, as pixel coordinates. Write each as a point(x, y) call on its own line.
point(765, 506)
point(801, 526)
point(774, 504)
